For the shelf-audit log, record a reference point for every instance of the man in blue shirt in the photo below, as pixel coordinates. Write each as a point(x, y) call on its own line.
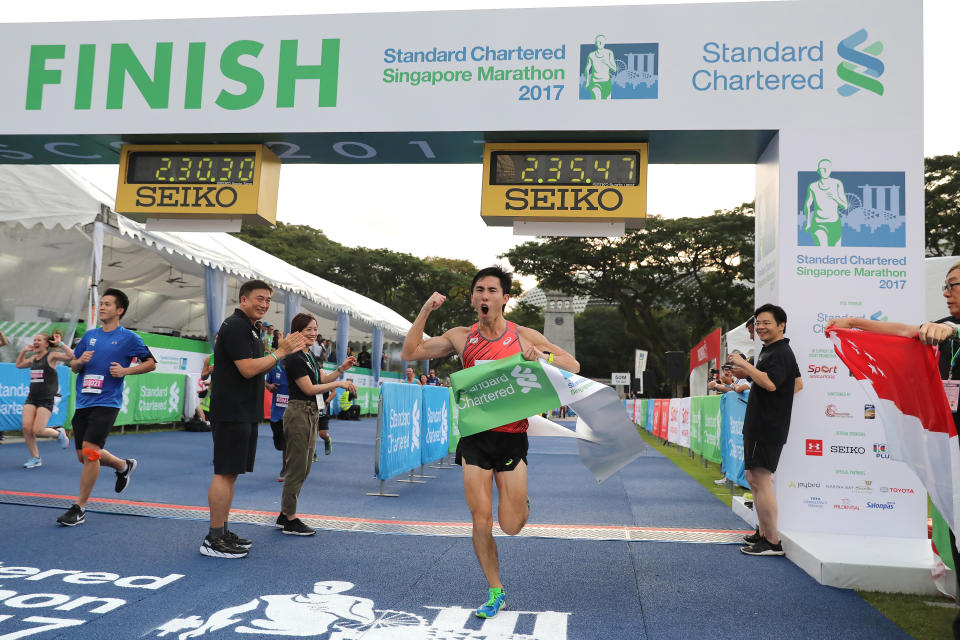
point(101, 360)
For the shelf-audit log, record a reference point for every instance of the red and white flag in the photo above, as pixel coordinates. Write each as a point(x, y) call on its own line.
point(902, 377)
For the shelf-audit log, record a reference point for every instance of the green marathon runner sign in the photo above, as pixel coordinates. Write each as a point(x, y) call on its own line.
point(480, 393)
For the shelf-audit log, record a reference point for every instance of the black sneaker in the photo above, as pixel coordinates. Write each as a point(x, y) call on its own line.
point(221, 548)
point(281, 521)
point(236, 540)
point(123, 477)
point(74, 516)
point(296, 527)
point(753, 538)
point(763, 548)
point(328, 446)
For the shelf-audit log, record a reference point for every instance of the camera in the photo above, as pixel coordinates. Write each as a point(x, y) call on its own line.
point(727, 367)
point(714, 372)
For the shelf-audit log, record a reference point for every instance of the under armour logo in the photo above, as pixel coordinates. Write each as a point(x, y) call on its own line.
point(526, 378)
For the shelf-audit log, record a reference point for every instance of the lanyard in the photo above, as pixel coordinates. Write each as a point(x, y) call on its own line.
point(313, 366)
point(954, 352)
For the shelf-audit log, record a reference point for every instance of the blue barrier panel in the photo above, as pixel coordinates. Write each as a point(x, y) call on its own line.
point(436, 423)
point(14, 387)
point(733, 408)
point(651, 406)
point(398, 429)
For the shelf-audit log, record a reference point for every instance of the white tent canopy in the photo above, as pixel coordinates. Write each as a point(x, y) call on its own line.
point(47, 214)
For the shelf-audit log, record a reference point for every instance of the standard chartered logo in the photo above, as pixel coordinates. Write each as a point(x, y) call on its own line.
point(173, 402)
point(526, 378)
point(860, 67)
point(126, 399)
point(415, 430)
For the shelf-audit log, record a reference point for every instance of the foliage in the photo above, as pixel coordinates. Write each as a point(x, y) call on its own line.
point(942, 206)
point(672, 282)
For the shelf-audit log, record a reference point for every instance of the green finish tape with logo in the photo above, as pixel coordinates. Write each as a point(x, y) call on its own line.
point(496, 393)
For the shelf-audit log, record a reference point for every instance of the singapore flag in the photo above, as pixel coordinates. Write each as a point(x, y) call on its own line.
point(901, 375)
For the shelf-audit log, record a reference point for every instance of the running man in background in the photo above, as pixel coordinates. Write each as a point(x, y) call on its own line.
point(500, 454)
point(825, 198)
point(102, 358)
point(42, 358)
point(600, 65)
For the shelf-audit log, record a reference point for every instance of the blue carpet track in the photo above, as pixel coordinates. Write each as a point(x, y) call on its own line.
point(344, 585)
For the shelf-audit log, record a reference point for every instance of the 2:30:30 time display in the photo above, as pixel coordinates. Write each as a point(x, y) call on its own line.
point(191, 168)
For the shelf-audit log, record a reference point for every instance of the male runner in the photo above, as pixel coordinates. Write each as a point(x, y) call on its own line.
point(101, 360)
point(501, 453)
point(600, 64)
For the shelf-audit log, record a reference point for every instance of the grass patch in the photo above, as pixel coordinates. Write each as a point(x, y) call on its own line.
point(694, 467)
point(923, 617)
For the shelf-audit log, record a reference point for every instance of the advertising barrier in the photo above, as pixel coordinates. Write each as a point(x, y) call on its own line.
point(683, 406)
point(651, 406)
point(398, 429)
point(661, 418)
point(435, 423)
point(710, 428)
point(696, 424)
point(14, 387)
point(152, 398)
point(732, 412)
point(673, 421)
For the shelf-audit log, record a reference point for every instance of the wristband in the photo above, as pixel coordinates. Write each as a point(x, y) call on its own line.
point(275, 357)
point(549, 357)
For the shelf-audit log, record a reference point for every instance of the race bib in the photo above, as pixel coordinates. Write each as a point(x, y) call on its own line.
point(92, 384)
point(320, 405)
point(36, 376)
point(282, 399)
point(952, 389)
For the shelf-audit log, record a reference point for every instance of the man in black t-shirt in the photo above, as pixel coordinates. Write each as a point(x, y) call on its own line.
point(237, 397)
point(776, 377)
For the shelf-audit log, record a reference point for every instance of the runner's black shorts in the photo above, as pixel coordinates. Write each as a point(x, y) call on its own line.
point(497, 450)
point(41, 402)
point(761, 455)
point(234, 447)
point(93, 424)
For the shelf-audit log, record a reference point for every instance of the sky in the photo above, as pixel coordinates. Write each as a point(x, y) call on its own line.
point(382, 219)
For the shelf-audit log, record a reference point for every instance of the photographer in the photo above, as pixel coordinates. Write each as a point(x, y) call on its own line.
point(729, 382)
point(714, 381)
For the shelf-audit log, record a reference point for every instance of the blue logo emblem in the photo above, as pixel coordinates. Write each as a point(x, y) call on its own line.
point(850, 208)
point(619, 71)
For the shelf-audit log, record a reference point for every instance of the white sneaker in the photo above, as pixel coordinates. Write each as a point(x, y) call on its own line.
point(32, 463)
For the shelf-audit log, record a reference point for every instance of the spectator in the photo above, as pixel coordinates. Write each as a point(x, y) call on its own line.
point(715, 379)
point(776, 379)
point(729, 382)
point(331, 352)
point(422, 380)
point(432, 379)
point(349, 410)
point(410, 379)
point(939, 332)
point(363, 358)
point(276, 383)
point(319, 350)
point(349, 351)
point(238, 388)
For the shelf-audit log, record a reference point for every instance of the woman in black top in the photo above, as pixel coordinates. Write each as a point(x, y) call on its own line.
point(42, 357)
point(307, 382)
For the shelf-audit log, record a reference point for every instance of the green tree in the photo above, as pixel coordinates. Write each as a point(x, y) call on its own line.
point(672, 282)
point(942, 206)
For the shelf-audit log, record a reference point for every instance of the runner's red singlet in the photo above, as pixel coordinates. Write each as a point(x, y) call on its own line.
point(479, 348)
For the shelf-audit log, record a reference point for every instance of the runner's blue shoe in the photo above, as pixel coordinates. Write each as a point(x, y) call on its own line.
point(62, 437)
point(497, 601)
